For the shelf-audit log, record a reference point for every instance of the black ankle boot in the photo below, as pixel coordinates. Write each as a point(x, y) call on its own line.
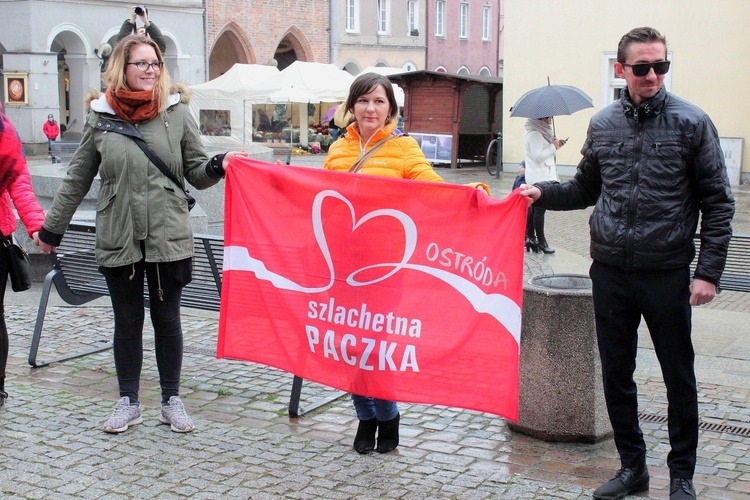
point(364, 441)
point(543, 247)
point(531, 245)
point(3, 397)
point(388, 434)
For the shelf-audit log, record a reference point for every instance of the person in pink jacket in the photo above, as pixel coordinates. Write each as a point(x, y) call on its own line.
point(51, 129)
point(15, 186)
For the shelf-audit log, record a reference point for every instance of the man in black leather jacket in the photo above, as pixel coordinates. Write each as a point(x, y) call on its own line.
point(653, 167)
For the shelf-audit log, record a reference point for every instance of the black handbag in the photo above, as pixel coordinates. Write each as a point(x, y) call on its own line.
point(19, 269)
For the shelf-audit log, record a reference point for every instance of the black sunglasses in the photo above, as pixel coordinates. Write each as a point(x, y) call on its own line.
point(642, 69)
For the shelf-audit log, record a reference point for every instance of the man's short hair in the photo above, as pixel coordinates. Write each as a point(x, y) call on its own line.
point(644, 34)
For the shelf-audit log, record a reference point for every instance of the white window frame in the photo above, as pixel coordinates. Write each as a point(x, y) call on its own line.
point(384, 17)
point(352, 16)
point(486, 13)
point(412, 17)
point(440, 18)
point(612, 82)
point(463, 20)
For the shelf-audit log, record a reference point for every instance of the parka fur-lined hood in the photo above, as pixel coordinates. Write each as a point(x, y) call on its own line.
point(178, 92)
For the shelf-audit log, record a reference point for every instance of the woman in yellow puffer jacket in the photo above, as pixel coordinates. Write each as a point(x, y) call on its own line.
point(374, 109)
point(373, 106)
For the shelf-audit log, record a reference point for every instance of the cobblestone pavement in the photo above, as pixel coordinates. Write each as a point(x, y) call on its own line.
point(245, 445)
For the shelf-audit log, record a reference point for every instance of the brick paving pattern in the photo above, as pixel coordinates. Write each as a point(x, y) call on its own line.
point(245, 445)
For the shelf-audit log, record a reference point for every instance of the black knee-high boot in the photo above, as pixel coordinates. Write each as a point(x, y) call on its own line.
point(539, 228)
point(364, 441)
point(388, 434)
point(530, 243)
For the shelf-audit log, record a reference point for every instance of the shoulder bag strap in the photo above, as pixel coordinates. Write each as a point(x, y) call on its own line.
point(127, 128)
point(363, 159)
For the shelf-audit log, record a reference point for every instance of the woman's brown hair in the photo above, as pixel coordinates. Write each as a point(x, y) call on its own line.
point(366, 83)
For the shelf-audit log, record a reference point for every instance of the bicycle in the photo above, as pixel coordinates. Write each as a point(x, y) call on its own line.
point(494, 157)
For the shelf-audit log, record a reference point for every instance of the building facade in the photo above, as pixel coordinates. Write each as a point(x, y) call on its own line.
point(706, 47)
point(264, 32)
point(388, 33)
point(463, 37)
point(50, 56)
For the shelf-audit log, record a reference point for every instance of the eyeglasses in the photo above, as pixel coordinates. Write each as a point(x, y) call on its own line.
point(144, 66)
point(642, 69)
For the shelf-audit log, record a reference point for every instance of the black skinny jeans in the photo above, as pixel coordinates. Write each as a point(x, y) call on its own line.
point(4, 340)
point(126, 290)
point(662, 298)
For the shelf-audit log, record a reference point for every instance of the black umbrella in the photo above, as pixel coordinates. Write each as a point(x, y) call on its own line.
point(551, 100)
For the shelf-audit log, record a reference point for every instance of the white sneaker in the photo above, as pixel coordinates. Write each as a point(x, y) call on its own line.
point(173, 413)
point(124, 416)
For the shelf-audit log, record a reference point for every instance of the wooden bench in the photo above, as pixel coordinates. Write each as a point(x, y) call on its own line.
point(76, 277)
point(736, 275)
point(63, 151)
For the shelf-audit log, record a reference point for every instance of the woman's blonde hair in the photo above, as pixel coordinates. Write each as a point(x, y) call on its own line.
point(114, 75)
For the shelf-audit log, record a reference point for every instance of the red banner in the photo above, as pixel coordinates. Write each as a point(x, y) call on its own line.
point(397, 289)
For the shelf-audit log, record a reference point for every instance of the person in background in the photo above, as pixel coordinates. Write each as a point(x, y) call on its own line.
point(540, 146)
point(521, 177)
point(52, 130)
point(372, 104)
point(148, 29)
point(653, 168)
point(341, 119)
point(15, 186)
point(143, 226)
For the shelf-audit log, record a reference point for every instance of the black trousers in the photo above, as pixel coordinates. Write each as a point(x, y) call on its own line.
point(662, 298)
point(4, 340)
point(125, 286)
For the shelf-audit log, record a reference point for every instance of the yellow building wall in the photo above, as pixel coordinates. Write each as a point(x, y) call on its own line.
point(565, 40)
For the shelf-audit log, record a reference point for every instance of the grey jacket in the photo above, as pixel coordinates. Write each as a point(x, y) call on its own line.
point(651, 171)
point(136, 200)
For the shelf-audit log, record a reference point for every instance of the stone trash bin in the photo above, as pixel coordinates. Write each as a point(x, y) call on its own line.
point(561, 394)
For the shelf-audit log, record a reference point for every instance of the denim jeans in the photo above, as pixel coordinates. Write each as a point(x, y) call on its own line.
point(369, 408)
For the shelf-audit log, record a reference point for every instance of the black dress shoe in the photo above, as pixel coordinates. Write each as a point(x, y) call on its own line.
point(364, 441)
point(681, 489)
point(626, 481)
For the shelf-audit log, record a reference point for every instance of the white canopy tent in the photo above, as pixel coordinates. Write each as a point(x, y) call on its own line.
point(325, 81)
point(308, 83)
point(302, 98)
point(223, 106)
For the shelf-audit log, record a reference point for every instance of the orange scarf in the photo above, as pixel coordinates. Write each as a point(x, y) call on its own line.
point(133, 106)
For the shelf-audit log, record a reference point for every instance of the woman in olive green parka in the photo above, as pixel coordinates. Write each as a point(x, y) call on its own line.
point(143, 227)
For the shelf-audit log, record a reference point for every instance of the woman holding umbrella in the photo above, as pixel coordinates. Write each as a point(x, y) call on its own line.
point(540, 146)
